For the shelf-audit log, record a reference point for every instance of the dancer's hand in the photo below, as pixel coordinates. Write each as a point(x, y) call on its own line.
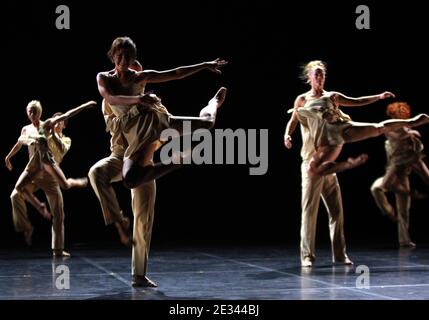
point(216, 64)
point(8, 163)
point(148, 99)
point(414, 133)
point(386, 94)
point(288, 141)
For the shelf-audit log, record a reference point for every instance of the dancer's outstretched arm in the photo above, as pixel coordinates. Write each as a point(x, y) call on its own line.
point(342, 100)
point(71, 112)
point(153, 76)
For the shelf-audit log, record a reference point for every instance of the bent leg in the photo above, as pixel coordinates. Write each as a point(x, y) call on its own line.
point(361, 131)
point(101, 175)
point(21, 186)
point(379, 195)
point(323, 161)
point(66, 183)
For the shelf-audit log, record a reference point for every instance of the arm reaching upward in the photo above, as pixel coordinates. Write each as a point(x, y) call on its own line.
point(50, 123)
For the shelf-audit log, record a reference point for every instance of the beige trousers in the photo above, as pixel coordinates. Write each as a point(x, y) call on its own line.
point(53, 193)
point(101, 176)
point(327, 188)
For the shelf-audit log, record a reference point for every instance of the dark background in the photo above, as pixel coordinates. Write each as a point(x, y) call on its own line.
point(265, 43)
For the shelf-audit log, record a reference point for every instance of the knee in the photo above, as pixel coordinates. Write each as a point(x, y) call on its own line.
point(376, 187)
point(312, 169)
point(94, 174)
point(15, 194)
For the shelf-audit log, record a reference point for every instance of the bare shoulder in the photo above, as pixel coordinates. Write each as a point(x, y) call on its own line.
point(104, 76)
point(300, 100)
point(24, 129)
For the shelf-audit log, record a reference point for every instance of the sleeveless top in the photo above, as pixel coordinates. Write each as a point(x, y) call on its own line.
point(325, 121)
point(141, 125)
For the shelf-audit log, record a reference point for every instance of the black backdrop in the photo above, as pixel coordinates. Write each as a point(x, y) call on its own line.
point(265, 43)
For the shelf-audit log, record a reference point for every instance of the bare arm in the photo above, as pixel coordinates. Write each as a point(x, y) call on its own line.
point(113, 99)
point(345, 101)
point(13, 151)
point(292, 123)
point(153, 76)
point(71, 113)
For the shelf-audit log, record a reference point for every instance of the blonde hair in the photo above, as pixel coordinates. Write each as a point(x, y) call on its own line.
point(399, 110)
point(35, 104)
point(310, 66)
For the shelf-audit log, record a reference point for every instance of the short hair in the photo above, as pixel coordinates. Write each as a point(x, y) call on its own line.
point(123, 43)
point(35, 104)
point(305, 69)
point(399, 110)
point(56, 114)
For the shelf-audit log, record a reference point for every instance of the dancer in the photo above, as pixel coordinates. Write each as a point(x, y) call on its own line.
point(43, 181)
point(404, 152)
point(123, 91)
point(108, 170)
point(313, 188)
point(331, 128)
point(42, 159)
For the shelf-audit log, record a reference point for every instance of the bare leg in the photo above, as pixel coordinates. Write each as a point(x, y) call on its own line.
point(135, 174)
point(65, 183)
point(323, 161)
point(22, 187)
point(207, 116)
point(362, 131)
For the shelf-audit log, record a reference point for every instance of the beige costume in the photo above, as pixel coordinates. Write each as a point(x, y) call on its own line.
point(402, 150)
point(142, 125)
point(44, 181)
point(109, 170)
point(314, 188)
point(322, 132)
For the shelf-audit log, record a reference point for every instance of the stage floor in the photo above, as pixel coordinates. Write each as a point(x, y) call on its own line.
point(228, 272)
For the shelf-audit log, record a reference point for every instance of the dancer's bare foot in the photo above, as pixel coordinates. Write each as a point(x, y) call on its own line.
point(358, 161)
point(125, 236)
point(78, 183)
point(143, 281)
point(409, 244)
point(59, 253)
point(210, 110)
